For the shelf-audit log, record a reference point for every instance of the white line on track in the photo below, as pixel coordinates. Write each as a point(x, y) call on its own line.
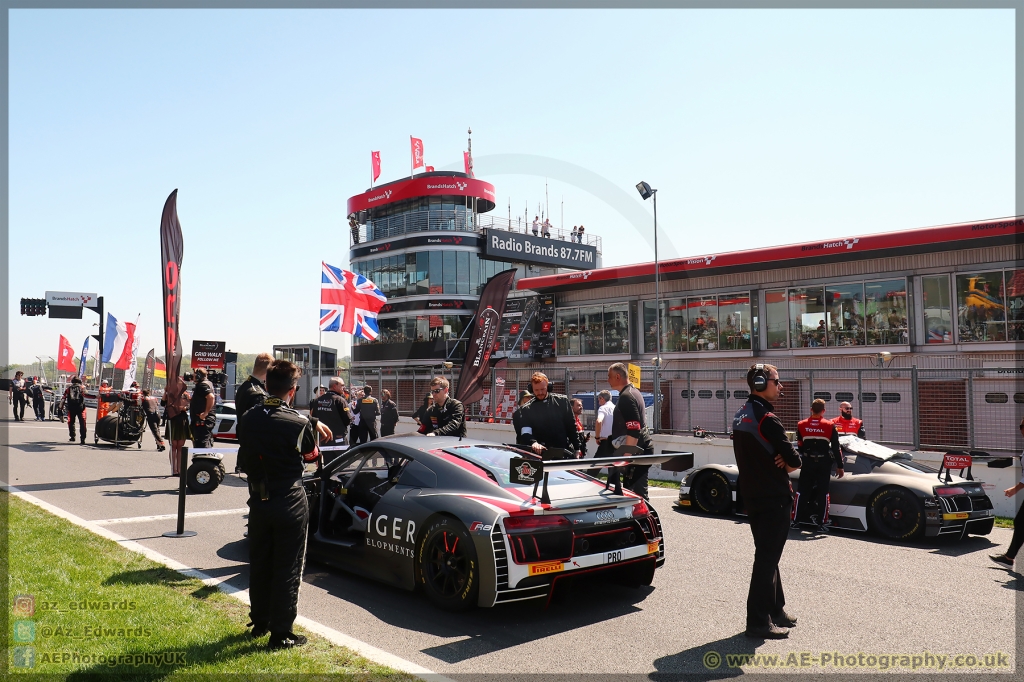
point(341, 639)
point(164, 517)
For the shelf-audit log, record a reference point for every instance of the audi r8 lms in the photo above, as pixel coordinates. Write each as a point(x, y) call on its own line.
point(883, 490)
point(468, 522)
point(226, 421)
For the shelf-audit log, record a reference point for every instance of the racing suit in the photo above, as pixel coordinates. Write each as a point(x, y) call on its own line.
point(851, 425)
point(151, 408)
point(74, 403)
point(818, 444)
point(549, 422)
point(448, 419)
point(249, 394)
point(280, 441)
point(628, 419)
point(332, 409)
point(369, 410)
point(202, 429)
point(758, 436)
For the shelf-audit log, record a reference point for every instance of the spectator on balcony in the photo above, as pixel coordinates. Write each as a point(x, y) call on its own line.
point(579, 235)
point(355, 228)
point(575, 231)
point(536, 224)
point(547, 228)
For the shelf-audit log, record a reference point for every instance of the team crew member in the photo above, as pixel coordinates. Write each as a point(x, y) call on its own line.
point(846, 423)
point(251, 392)
point(517, 414)
point(388, 414)
point(547, 420)
point(582, 437)
point(446, 416)
point(16, 396)
point(818, 443)
point(765, 457)
point(629, 427)
point(74, 404)
point(332, 409)
point(103, 406)
point(278, 441)
point(369, 410)
point(1008, 557)
point(151, 408)
point(201, 411)
point(35, 390)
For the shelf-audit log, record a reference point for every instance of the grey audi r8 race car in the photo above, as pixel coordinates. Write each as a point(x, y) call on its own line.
point(477, 523)
point(883, 490)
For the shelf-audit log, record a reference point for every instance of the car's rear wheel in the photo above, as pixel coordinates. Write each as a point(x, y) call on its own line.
point(446, 565)
point(711, 493)
point(896, 514)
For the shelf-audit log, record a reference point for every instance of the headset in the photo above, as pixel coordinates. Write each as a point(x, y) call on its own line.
point(759, 380)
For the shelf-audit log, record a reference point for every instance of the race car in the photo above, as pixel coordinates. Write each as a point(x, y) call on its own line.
point(883, 490)
point(227, 420)
point(468, 522)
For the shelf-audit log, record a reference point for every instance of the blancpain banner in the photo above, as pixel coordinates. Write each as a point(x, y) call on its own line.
point(525, 248)
point(71, 298)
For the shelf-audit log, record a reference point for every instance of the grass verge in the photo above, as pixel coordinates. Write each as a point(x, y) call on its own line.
point(1004, 522)
point(102, 609)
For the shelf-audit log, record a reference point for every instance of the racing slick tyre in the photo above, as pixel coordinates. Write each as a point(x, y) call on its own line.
point(204, 477)
point(446, 565)
point(896, 514)
point(711, 493)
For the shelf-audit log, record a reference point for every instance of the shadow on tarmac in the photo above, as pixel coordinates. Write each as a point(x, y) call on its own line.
point(578, 603)
point(706, 661)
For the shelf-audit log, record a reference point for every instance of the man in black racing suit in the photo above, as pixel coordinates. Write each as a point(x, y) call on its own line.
point(629, 427)
point(818, 443)
point(279, 441)
point(332, 409)
point(765, 457)
point(251, 392)
point(446, 416)
point(547, 421)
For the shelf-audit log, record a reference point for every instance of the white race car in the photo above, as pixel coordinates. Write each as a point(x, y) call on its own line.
point(227, 420)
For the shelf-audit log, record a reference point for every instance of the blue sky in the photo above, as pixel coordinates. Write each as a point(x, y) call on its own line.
point(758, 127)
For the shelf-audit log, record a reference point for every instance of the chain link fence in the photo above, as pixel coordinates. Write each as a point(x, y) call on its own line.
point(905, 407)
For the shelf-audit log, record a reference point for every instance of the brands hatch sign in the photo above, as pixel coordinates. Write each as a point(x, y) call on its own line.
point(71, 298)
point(525, 248)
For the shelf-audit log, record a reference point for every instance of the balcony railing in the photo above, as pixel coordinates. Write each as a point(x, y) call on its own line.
point(390, 227)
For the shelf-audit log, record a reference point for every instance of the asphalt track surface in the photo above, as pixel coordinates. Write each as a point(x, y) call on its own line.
point(852, 593)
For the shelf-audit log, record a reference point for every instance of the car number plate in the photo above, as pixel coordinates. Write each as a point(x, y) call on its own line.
point(612, 557)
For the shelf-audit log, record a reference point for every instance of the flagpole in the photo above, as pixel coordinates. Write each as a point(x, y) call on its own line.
point(371, 169)
point(411, 167)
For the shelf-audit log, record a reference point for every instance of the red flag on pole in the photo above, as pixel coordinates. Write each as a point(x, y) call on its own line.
point(375, 165)
point(430, 169)
point(171, 251)
point(66, 356)
point(416, 145)
point(467, 160)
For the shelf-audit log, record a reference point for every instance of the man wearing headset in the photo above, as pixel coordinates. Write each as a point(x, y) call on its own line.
point(765, 457)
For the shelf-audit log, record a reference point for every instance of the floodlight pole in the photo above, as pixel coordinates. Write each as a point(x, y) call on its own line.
point(657, 321)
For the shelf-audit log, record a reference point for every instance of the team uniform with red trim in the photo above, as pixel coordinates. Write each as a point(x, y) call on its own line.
point(851, 425)
point(628, 419)
point(818, 443)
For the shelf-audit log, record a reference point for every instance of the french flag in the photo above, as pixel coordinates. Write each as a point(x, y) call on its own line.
point(118, 343)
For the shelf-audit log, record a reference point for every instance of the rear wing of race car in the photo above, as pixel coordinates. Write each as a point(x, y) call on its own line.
point(958, 459)
point(533, 469)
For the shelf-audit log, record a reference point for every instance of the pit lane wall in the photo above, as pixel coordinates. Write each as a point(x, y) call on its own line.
point(719, 450)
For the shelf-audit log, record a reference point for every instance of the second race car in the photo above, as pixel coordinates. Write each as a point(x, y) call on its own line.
point(883, 490)
point(454, 518)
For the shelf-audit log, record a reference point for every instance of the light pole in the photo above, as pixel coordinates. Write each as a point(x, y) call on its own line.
point(646, 191)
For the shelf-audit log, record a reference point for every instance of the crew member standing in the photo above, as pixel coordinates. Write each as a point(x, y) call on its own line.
point(446, 416)
point(765, 457)
point(388, 414)
point(201, 411)
point(278, 442)
point(332, 409)
point(1017, 539)
point(251, 392)
point(369, 410)
point(846, 423)
point(74, 405)
point(547, 420)
point(151, 408)
point(16, 396)
point(818, 444)
point(103, 406)
point(629, 427)
point(581, 433)
point(35, 391)
point(517, 414)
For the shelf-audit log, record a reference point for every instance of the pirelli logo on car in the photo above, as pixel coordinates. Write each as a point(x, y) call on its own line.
point(954, 517)
point(547, 567)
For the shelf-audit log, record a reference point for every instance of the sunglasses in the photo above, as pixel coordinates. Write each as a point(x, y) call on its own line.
point(435, 391)
point(777, 381)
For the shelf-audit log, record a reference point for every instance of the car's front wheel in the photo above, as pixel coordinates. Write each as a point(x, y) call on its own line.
point(711, 493)
point(447, 566)
point(896, 514)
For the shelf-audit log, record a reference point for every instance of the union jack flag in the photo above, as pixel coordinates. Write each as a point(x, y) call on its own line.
point(349, 303)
